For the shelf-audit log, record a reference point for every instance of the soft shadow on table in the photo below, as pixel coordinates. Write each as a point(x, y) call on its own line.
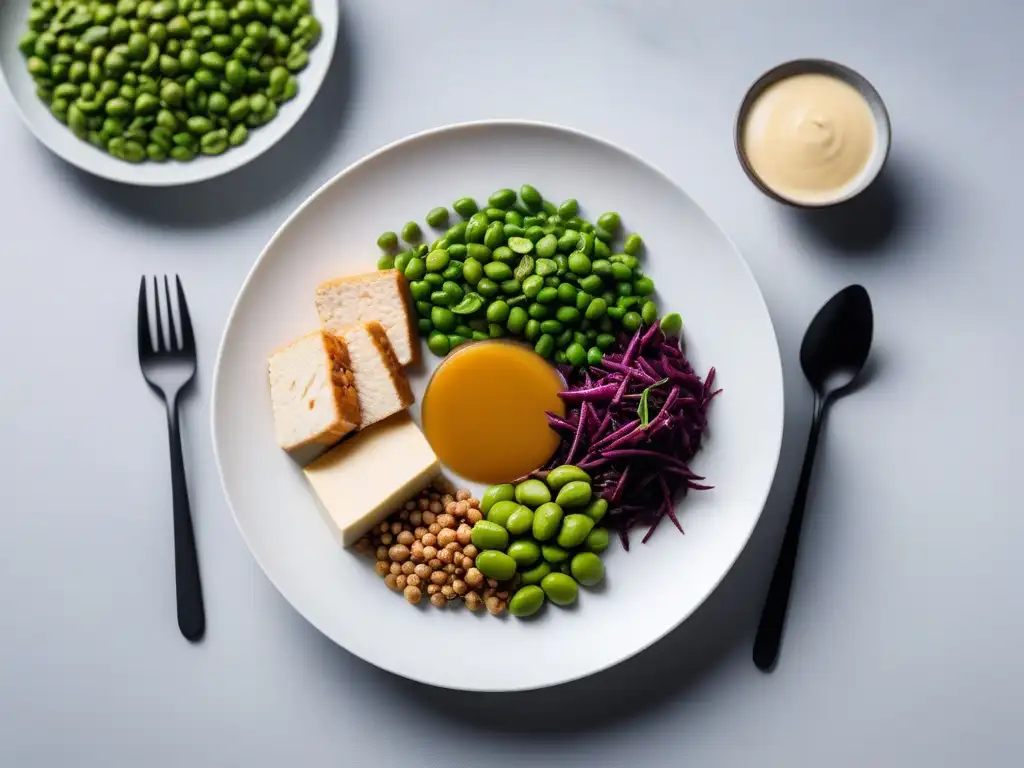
point(862, 226)
point(266, 179)
point(680, 661)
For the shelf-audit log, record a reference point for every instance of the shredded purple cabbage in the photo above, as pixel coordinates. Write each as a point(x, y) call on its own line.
point(641, 470)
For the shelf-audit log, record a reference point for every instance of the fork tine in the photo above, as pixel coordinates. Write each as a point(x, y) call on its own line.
point(170, 316)
point(188, 340)
point(145, 340)
point(161, 345)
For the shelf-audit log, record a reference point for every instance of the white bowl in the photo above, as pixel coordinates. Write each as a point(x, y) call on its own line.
point(651, 588)
point(62, 142)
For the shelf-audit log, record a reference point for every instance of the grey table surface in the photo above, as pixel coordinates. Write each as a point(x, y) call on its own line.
point(906, 626)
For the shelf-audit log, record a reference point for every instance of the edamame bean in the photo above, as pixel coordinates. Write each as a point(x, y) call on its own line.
point(574, 530)
point(495, 565)
point(633, 244)
point(643, 286)
point(496, 493)
point(631, 321)
point(554, 554)
point(443, 319)
point(517, 319)
point(559, 588)
point(568, 209)
point(576, 355)
point(520, 521)
point(472, 271)
point(609, 222)
point(437, 217)
point(503, 198)
point(536, 574)
point(587, 569)
point(575, 493)
point(387, 241)
point(672, 324)
point(594, 356)
point(437, 343)
point(530, 196)
point(547, 519)
point(411, 232)
point(579, 263)
point(489, 535)
point(465, 207)
point(494, 235)
point(498, 312)
point(526, 602)
point(524, 552)
point(487, 287)
point(436, 261)
point(501, 511)
point(533, 493)
point(597, 540)
point(520, 245)
point(649, 312)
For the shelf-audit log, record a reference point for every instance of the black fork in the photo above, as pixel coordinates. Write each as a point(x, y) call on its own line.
point(168, 369)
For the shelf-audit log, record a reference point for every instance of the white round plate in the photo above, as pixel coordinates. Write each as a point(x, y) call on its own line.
point(62, 142)
point(650, 589)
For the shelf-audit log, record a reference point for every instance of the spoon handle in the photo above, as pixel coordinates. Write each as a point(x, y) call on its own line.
point(773, 615)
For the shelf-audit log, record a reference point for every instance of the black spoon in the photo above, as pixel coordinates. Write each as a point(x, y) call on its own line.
point(833, 353)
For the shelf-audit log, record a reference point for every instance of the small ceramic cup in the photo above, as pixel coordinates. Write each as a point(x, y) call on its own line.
point(883, 128)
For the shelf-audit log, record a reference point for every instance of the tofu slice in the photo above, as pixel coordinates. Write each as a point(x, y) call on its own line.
point(370, 475)
point(381, 385)
point(381, 296)
point(312, 391)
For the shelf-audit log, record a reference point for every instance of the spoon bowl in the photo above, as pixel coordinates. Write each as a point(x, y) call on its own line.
point(837, 342)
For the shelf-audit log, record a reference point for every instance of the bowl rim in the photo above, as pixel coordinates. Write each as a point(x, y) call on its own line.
point(803, 66)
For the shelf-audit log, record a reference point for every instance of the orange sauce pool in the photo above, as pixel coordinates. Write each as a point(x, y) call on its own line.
point(483, 411)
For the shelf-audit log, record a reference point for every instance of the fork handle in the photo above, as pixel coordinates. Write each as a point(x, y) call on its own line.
point(191, 614)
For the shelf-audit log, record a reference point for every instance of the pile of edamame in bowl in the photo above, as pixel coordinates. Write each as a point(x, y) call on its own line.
point(159, 80)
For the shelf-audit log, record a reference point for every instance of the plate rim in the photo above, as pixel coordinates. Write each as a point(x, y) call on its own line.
point(328, 43)
point(455, 128)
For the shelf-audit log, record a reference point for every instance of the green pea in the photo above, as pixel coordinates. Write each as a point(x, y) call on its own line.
point(526, 602)
point(497, 271)
point(512, 230)
point(387, 261)
point(182, 154)
point(567, 315)
point(567, 293)
point(547, 295)
point(519, 522)
point(388, 241)
point(546, 245)
point(437, 343)
point(465, 207)
point(535, 235)
point(514, 218)
point(643, 286)
point(532, 330)
point(517, 319)
point(554, 554)
point(594, 356)
point(602, 268)
point(498, 312)
point(545, 345)
point(592, 284)
point(453, 291)
point(547, 519)
point(495, 565)
point(415, 269)
point(587, 569)
point(411, 232)
point(420, 289)
point(495, 331)
point(532, 286)
point(455, 250)
point(511, 287)
point(453, 271)
point(530, 196)
point(559, 588)
point(568, 241)
point(496, 493)
point(597, 540)
point(621, 272)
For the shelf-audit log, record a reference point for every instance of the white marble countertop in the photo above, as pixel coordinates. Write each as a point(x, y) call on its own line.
point(905, 630)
